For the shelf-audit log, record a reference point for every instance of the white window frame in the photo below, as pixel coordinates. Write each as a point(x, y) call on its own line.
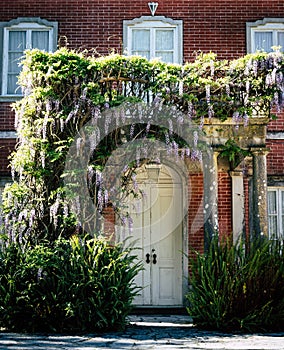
point(278, 214)
point(274, 25)
point(28, 25)
point(152, 23)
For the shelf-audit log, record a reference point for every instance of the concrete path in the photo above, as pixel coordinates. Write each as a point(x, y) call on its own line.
point(147, 332)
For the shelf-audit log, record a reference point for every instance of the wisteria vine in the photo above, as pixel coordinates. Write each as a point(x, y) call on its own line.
point(66, 90)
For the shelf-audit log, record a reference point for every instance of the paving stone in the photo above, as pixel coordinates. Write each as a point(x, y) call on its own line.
point(147, 333)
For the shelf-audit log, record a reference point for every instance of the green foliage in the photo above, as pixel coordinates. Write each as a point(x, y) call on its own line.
point(233, 152)
point(233, 288)
point(69, 286)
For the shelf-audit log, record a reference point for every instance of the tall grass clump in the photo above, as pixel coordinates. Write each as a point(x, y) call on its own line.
point(238, 287)
point(67, 286)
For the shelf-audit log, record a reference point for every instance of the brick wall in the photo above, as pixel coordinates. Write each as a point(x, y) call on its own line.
point(6, 117)
point(209, 25)
point(195, 212)
point(275, 158)
point(277, 124)
point(6, 147)
point(224, 203)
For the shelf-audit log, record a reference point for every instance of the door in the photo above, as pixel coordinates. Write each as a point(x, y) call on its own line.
point(157, 231)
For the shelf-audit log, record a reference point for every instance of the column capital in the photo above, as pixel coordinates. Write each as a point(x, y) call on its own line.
point(259, 151)
point(236, 173)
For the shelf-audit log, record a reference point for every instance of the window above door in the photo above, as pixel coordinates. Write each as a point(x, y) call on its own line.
point(264, 34)
point(18, 35)
point(154, 37)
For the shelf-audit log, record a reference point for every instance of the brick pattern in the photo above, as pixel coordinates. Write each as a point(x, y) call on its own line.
point(209, 25)
point(275, 158)
point(6, 147)
point(278, 124)
point(7, 118)
point(195, 212)
point(109, 221)
point(224, 203)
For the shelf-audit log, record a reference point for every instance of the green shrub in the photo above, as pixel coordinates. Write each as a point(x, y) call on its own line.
point(238, 288)
point(68, 286)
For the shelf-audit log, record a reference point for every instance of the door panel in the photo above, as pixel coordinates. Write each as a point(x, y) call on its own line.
point(166, 239)
point(157, 231)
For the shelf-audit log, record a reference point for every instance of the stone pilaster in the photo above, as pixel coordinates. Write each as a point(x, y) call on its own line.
point(210, 174)
point(259, 193)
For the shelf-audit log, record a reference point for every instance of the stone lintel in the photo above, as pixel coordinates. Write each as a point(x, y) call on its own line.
point(251, 135)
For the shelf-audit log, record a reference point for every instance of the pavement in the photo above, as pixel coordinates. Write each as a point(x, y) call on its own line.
point(164, 332)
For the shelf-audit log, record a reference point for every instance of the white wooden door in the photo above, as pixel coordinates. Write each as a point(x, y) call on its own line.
point(157, 231)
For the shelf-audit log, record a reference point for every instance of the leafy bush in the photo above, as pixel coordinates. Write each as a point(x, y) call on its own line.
point(233, 288)
point(67, 286)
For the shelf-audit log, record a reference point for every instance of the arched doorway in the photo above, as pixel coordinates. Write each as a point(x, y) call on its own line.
point(158, 232)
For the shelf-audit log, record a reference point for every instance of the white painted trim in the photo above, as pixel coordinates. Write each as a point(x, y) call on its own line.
point(8, 135)
point(152, 23)
point(279, 191)
point(27, 24)
point(266, 24)
point(277, 135)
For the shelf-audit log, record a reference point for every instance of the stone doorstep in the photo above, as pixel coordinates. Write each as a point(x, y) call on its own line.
point(160, 320)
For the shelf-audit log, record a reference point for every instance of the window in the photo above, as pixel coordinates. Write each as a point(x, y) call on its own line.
point(154, 37)
point(276, 212)
point(19, 35)
point(264, 34)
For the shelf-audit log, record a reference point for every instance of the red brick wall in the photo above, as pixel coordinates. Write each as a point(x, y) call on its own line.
point(224, 203)
point(275, 158)
point(6, 117)
point(195, 212)
point(277, 124)
point(209, 25)
point(6, 147)
point(109, 221)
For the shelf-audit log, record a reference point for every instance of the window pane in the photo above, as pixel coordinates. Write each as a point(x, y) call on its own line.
point(13, 62)
point(141, 42)
point(17, 45)
point(272, 213)
point(272, 205)
point(272, 226)
point(17, 41)
point(164, 40)
point(263, 41)
point(281, 40)
point(12, 86)
point(40, 40)
point(165, 56)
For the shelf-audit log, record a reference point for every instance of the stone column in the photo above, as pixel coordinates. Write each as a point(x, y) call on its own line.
point(210, 176)
point(238, 205)
point(259, 193)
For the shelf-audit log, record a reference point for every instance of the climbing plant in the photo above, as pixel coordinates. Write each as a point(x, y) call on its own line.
point(99, 104)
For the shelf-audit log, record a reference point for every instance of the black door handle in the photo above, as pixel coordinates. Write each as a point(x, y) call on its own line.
point(147, 258)
point(154, 258)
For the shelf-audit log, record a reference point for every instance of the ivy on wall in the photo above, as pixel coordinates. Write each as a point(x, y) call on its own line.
point(66, 91)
